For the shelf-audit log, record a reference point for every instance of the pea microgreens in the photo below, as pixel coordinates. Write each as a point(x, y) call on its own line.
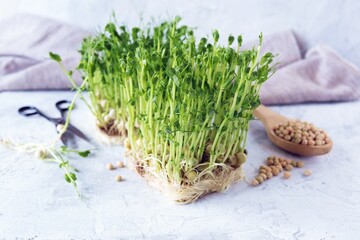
point(177, 96)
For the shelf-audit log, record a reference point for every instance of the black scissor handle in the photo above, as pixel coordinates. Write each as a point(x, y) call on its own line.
point(63, 105)
point(28, 111)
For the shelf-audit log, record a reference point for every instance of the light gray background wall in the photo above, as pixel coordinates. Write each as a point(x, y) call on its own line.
point(334, 22)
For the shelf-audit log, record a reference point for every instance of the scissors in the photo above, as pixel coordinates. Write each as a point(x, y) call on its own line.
point(63, 107)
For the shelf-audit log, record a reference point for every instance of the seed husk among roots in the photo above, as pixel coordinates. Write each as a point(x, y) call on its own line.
point(193, 186)
point(110, 136)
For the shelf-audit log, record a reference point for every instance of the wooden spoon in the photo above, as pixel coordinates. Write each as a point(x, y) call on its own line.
point(272, 119)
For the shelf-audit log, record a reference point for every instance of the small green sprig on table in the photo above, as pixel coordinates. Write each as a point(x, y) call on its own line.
point(51, 154)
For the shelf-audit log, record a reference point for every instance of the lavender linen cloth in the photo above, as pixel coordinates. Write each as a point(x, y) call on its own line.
point(321, 76)
point(25, 43)
point(25, 40)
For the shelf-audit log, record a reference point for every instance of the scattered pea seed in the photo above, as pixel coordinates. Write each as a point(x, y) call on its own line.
point(307, 172)
point(254, 182)
point(110, 166)
point(118, 178)
point(279, 167)
point(259, 179)
point(300, 164)
point(275, 165)
point(262, 170)
point(263, 175)
point(275, 172)
point(270, 162)
point(288, 167)
point(120, 164)
point(286, 175)
point(276, 162)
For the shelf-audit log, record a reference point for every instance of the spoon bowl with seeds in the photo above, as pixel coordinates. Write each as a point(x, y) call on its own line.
point(294, 136)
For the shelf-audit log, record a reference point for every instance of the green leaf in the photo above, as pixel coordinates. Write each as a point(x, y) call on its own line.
point(63, 148)
point(216, 35)
point(239, 40)
point(67, 178)
point(70, 177)
point(55, 57)
point(63, 164)
point(84, 154)
point(73, 176)
point(231, 40)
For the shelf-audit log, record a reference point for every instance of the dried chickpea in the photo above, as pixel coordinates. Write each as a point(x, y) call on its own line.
point(301, 133)
point(263, 175)
point(288, 167)
point(255, 182)
point(286, 175)
point(120, 164)
point(262, 170)
point(276, 161)
point(270, 162)
point(110, 166)
point(118, 178)
point(259, 179)
point(275, 172)
point(300, 164)
point(307, 172)
point(279, 167)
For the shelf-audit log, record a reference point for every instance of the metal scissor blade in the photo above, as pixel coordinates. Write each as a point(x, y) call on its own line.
point(68, 139)
point(65, 139)
point(77, 132)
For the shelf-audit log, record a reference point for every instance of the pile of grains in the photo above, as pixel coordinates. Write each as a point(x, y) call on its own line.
point(111, 166)
point(302, 133)
point(274, 166)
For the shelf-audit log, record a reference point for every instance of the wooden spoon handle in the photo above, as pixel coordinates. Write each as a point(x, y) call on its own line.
point(268, 117)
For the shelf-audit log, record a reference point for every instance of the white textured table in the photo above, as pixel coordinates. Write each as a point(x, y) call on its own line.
point(36, 202)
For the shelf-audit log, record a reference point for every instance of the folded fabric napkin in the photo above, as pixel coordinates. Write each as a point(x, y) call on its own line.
point(25, 41)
